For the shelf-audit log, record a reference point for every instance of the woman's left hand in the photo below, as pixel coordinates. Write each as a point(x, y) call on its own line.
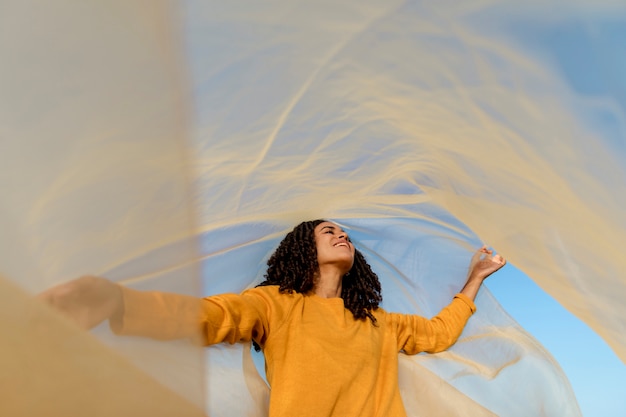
point(483, 264)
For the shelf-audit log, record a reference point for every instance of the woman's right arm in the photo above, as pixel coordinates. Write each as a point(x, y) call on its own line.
point(232, 318)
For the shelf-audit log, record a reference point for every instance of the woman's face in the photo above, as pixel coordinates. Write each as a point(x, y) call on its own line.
point(333, 246)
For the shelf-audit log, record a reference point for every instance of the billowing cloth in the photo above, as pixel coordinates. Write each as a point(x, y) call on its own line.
point(170, 146)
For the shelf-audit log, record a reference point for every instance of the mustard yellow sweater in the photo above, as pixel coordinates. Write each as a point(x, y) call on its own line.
point(320, 361)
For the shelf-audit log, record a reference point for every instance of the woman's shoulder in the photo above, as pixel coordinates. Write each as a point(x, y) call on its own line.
point(276, 305)
point(381, 315)
point(272, 293)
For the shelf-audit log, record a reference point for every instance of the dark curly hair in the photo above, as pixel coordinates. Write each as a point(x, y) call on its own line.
point(293, 267)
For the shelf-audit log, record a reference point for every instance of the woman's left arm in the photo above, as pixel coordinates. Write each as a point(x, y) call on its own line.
point(417, 334)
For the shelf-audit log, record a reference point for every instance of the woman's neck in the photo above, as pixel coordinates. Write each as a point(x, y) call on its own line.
point(328, 283)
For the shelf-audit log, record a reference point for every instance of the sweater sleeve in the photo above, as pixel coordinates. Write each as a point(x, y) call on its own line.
point(222, 318)
point(418, 334)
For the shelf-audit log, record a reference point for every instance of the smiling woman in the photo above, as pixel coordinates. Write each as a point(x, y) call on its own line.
point(329, 349)
point(335, 257)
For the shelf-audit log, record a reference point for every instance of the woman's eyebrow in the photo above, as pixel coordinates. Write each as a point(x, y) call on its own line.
point(332, 227)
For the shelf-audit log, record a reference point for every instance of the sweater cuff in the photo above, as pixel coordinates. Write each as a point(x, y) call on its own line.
point(467, 301)
point(119, 324)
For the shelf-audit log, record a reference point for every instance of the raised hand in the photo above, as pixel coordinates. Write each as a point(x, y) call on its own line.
point(483, 263)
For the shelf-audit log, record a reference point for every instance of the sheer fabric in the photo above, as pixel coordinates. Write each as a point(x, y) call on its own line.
point(95, 180)
point(171, 146)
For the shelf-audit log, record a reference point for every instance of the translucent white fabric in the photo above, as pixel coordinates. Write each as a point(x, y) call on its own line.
point(425, 129)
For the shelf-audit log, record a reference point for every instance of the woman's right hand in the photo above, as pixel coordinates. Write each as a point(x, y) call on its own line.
point(87, 301)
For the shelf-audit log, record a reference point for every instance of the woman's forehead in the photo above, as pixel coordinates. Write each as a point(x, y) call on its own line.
point(331, 225)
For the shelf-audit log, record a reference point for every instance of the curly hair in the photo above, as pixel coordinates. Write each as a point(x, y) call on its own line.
point(293, 267)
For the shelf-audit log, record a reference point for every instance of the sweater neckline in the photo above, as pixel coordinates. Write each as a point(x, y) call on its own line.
point(324, 300)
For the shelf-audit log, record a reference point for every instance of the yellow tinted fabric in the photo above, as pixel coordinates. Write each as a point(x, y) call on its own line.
point(96, 174)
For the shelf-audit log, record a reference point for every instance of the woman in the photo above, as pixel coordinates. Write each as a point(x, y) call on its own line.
point(329, 349)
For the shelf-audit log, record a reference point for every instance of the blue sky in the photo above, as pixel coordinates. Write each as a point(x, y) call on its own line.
point(597, 375)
